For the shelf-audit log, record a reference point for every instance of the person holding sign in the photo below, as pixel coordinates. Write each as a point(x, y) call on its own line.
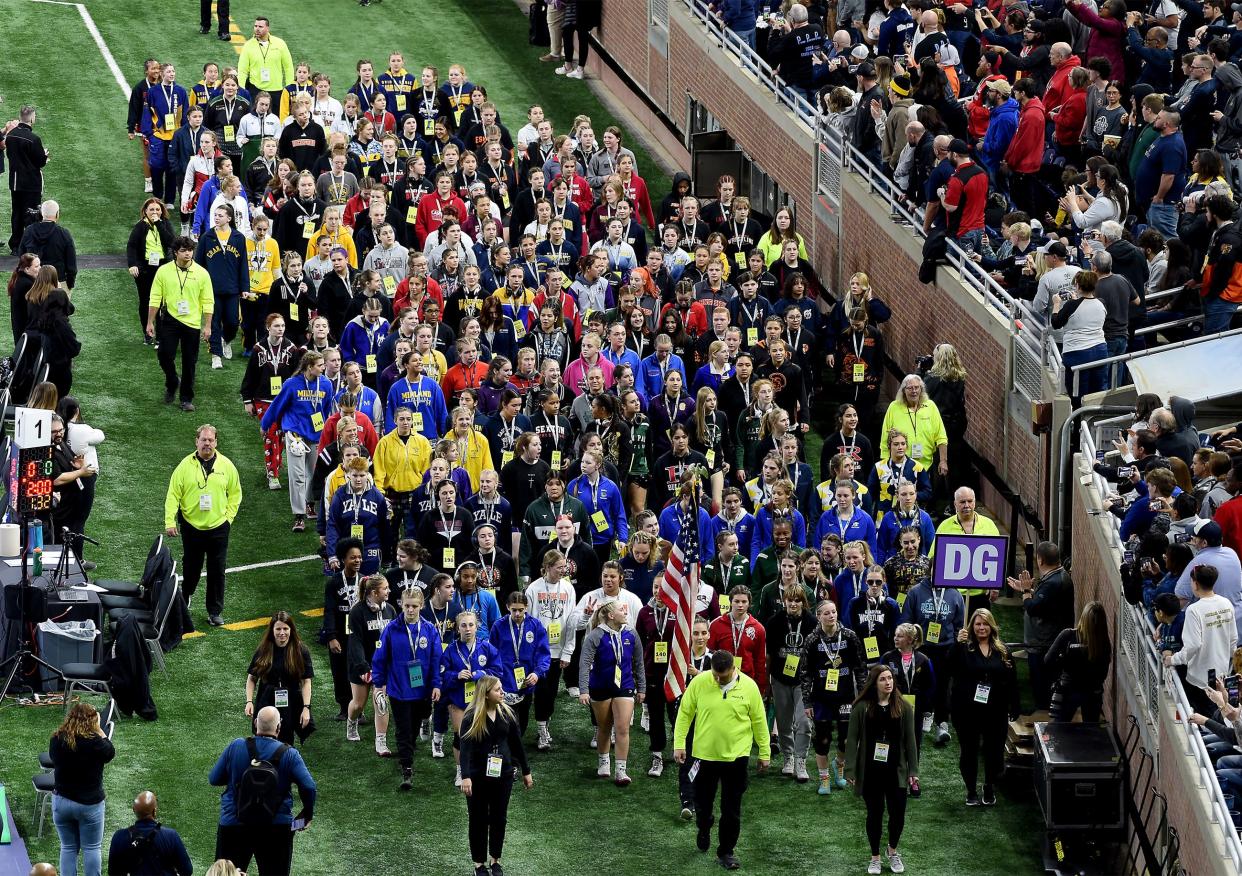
point(786, 634)
point(462, 666)
point(882, 761)
point(985, 698)
point(967, 521)
point(611, 677)
point(406, 668)
point(525, 656)
point(832, 663)
point(280, 675)
point(204, 494)
point(491, 753)
point(301, 408)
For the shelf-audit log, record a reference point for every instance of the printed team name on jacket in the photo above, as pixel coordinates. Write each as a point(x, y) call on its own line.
point(219, 247)
point(553, 606)
point(415, 398)
point(360, 504)
point(674, 473)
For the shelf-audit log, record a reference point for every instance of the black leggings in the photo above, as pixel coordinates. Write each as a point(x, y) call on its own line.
point(546, 690)
point(584, 44)
point(408, 715)
point(878, 791)
point(657, 707)
point(822, 738)
point(987, 733)
point(488, 805)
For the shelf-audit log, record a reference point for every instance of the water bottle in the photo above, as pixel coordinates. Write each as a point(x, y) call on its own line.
point(34, 543)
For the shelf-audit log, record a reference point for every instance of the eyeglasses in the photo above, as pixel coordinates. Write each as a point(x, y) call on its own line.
point(1199, 67)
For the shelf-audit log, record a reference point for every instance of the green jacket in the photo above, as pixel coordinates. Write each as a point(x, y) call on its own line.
point(725, 727)
point(859, 748)
point(204, 502)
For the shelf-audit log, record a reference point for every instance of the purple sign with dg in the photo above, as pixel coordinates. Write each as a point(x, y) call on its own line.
point(970, 561)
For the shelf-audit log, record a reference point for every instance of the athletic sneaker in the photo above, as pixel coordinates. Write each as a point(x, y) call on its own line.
point(873, 867)
point(594, 743)
point(942, 735)
point(687, 811)
point(800, 774)
point(825, 785)
point(216, 363)
point(563, 70)
point(989, 796)
point(623, 779)
point(381, 745)
point(146, 185)
point(895, 863)
point(645, 720)
point(573, 692)
point(545, 739)
point(437, 745)
point(422, 730)
point(972, 798)
point(407, 779)
point(457, 779)
point(273, 482)
point(605, 767)
point(576, 73)
point(551, 57)
point(228, 350)
point(299, 523)
point(657, 766)
point(351, 731)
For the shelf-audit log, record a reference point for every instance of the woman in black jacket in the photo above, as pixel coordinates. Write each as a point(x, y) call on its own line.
point(79, 751)
point(945, 384)
point(491, 746)
point(280, 675)
point(984, 699)
point(149, 246)
point(20, 281)
point(49, 310)
point(1079, 660)
point(340, 594)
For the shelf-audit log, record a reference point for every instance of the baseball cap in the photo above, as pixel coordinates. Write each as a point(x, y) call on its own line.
point(959, 146)
point(1209, 531)
point(1055, 248)
point(1001, 85)
point(866, 70)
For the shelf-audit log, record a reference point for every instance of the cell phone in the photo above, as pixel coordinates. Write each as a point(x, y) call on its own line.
point(1156, 505)
point(1125, 471)
point(298, 824)
point(1233, 683)
point(1211, 679)
point(1099, 456)
point(1128, 556)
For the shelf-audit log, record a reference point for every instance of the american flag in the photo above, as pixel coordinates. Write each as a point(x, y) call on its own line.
point(678, 592)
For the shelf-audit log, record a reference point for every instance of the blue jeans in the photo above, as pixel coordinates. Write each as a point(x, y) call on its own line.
point(224, 321)
point(1116, 347)
point(746, 36)
point(970, 241)
point(1217, 314)
point(1163, 218)
point(1089, 379)
point(80, 826)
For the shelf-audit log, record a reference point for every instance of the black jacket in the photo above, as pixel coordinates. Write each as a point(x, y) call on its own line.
point(136, 246)
point(1129, 262)
point(502, 738)
point(54, 246)
point(27, 159)
point(129, 663)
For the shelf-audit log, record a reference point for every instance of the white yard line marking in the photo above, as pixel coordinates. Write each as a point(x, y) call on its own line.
point(250, 567)
point(99, 41)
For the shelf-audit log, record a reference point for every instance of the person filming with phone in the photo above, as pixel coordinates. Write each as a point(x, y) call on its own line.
point(256, 808)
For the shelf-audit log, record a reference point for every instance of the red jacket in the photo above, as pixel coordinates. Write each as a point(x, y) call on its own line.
point(752, 647)
point(1026, 150)
point(366, 432)
point(636, 194)
point(1069, 121)
point(1229, 516)
point(1058, 85)
point(431, 214)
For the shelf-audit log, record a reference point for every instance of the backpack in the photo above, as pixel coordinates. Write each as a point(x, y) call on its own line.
point(142, 852)
point(259, 796)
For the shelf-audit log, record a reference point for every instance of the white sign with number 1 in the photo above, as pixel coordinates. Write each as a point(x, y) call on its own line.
point(32, 427)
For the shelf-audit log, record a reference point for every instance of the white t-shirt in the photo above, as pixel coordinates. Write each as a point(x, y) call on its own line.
point(1208, 639)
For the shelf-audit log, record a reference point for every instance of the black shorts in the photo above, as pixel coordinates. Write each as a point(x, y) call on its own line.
point(356, 677)
point(638, 480)
point(822, 738)
point(610, 692)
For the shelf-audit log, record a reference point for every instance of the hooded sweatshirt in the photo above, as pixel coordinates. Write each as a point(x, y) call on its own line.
point(1058, 85)
point(54, 246)
point(1001, 129)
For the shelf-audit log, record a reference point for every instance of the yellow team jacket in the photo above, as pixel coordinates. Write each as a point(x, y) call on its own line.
point(264, 259)
point(343, 239)
point(400, 465)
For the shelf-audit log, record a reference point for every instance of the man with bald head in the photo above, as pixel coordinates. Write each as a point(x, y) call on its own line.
point(248, 831)
point(148, 848)
point(1063, 60)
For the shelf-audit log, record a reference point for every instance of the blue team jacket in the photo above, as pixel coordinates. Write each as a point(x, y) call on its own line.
point(607, 498)
point(294, 408)
point(860, 528)
point(370, 511)
point(390, 666)
point(483, 660)
point(532, 652)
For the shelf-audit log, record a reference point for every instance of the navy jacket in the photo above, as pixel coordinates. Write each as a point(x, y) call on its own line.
point(234, 760)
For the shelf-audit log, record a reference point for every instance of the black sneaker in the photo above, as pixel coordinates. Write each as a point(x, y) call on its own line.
point(204, 30)
point(341, 716)
point(704, 839)
point(223, 37)
point(188, 407)
point(972, 798)
point(687, 811)
point(169, 395)
point(215, 620)
point(481, 870)
point(729, 862)
point(497, 870)
point(407, 779)
point(989, 796)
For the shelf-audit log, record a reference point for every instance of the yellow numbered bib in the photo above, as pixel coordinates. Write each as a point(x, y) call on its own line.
point(556, 459)
point(372, 364)
point(600, 521)
point(293, 311)
point(429, 127)
point(275, 385)
point(519, 675)
point(909, 698)
point(418, 421)
point(317, 421)
point(872, 646)
point(661, 652)
point(469, 692)
point(450, 557)
point(170, 121)
point(554, 633)
point(308, 230)
point(390, 285)
point(400, 103)
point(752, 337)
point(860, 372)
point(933, 632)
point(355, 531)
point(711, 459)
point(229, 133)
point(791, 664)
point(411, 214)
point(832, 680)
point(724, 602)
point(506, 457)
point(616, 676)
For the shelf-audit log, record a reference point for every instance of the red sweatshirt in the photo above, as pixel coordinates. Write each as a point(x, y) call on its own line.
point(1026, 150)
point(751, 645)
point(431, 214)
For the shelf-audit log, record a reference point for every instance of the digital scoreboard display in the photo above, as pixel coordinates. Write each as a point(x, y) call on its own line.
point(34, 479)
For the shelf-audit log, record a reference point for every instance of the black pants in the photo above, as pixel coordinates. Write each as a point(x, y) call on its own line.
point(253, 313)
point(172, 332)
point(522, 709)
point(546, 690)
point(584, 43)
point(878, 791)
point(341, 691)
point(204, 22)
point(271, 847)
point(408, 714)
point(939, 657)
point(986, 732)
point(25, 209)
point(488, 805)
point(1041, 680)
point(211, 545)
point(658, 707)
point(732, 777)
point(146, 276)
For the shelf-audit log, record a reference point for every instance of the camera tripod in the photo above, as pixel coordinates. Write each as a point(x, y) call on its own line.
point(23, 652)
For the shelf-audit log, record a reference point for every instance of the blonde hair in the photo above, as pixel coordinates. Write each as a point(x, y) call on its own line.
point(946, 364)
point(478, 721)
point(868, 560)
point(914, 631)
point(994, 638)
point(599, 616)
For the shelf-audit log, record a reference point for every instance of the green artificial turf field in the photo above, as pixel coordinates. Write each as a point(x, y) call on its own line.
point(362, 824)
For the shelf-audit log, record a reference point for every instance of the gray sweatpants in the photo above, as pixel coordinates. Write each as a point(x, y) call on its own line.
point(793, 728)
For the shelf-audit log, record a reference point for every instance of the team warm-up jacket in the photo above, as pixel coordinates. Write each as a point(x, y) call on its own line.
point(481, 659)
point(403, 648)
point(301, 407)
point(522, 645)
point(350, 510)
point(599, 663)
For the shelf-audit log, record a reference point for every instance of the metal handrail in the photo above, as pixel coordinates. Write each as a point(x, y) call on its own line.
point(1170, 685)
point(1113, 362)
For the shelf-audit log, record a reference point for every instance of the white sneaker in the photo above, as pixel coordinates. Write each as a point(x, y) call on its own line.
point(788, 768)
point(895, 863)
point(560, 71)
point(800, 773)
point(381, 745)
point(576, 73)
point(457, 779)
point(228, 350)
point(573, 692)
point(873, 868)
point(273, 482)
point(622, 778)
point(605, 767)
point(645, 720)
point(351, 730)
point(422, 730)
point(437, 745)
point(545, 739)
point(594, 743)
point(942, 733)
point(657, 766)
point(216, 364)
point(146, 185)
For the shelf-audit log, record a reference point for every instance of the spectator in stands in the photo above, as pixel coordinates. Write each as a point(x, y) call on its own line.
point(965, 197)
point(1070, 116)
point(1117, 296)
point(1063, 60)
point(1222, 276)
point(1024, 155)
point(147, 846)
point(1082, 317)
point(794, 51)
point(739, 17)
point(1162, 172)
point(1209, 551)
point(1002, 126)
point(1153, 50)
point(1228, 515)
point(1209, 636)
point(1107, 38)
point(1195, 107)
point(1128, 259)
